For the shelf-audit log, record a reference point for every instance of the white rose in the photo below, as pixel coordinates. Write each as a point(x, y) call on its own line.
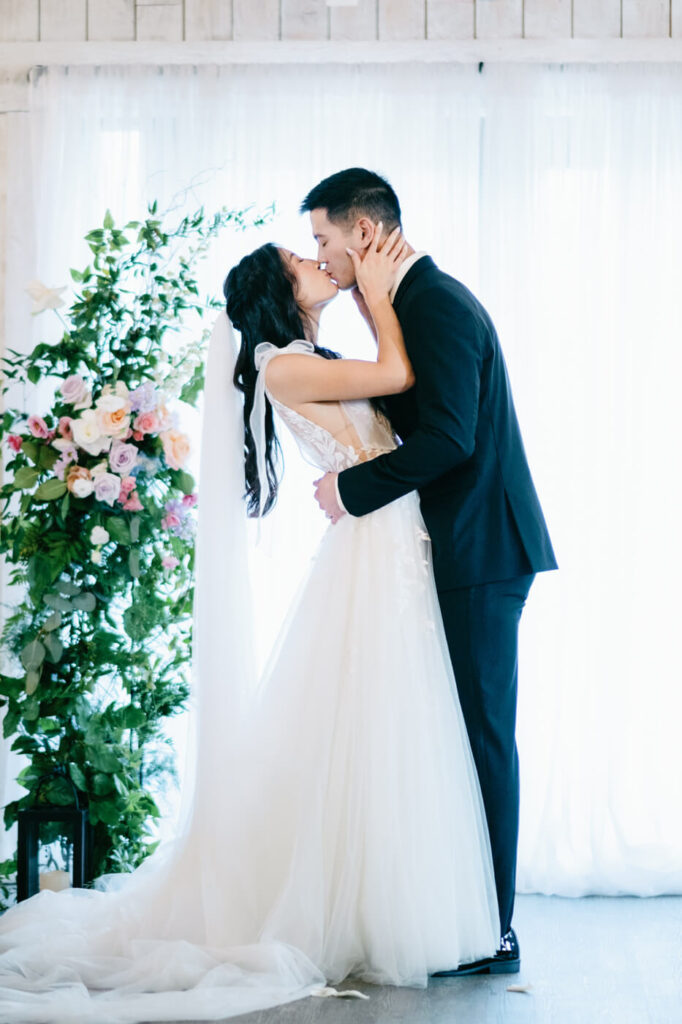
point(96, 556)
point(83, 488)
point(87, 434)
point(98, 535)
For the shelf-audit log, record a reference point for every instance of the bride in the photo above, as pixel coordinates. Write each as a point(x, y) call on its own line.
point(334, 825)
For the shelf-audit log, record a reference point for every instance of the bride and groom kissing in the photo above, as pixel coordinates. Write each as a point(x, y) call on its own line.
point(357, 814)
point(445, 392)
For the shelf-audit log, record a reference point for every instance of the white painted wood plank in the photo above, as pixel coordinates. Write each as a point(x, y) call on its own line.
point(304, 19)
point(19, 20)
point(112, 20)
point(596, 19)
point(547, 19)
point(458, 51)
point(159, 22)
point(402, 19)
point(359, 22)
point(499, 19)
point(62, 19)
point(450, 19)
point(646, 18)
point(256, 20)
point(208, 19)
point(676, 19)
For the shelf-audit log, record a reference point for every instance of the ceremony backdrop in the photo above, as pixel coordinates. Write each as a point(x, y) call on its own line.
point(552, 192)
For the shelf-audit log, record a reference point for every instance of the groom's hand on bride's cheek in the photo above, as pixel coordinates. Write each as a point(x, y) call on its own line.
point(325, 495)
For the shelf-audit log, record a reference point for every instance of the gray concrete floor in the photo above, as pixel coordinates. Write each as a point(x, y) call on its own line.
point(595, 960)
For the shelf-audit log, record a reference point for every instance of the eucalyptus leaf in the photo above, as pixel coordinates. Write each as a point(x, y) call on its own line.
point(134, 563)
point(53, 621)
point(85, 602)
point(58, 602)
point(33, 655)
point(68, 588)
point(135, 529)
point(54, 646)
point(32, 680)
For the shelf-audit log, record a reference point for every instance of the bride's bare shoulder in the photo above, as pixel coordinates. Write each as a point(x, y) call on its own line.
point(283, 373)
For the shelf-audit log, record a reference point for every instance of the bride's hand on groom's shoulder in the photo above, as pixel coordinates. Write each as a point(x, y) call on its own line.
point(375, 274)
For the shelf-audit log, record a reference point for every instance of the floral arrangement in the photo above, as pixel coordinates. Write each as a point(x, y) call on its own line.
point(98, 531)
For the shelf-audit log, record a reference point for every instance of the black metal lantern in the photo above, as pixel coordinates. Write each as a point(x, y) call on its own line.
point(52, 836)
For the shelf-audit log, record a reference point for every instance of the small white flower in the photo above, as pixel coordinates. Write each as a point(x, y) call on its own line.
point(96, 556)
point(83, 488)
point(101, 467)
point(44, 297)
point(98, 535)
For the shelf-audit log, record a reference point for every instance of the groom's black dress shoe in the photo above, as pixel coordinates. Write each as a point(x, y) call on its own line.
point(507, 960)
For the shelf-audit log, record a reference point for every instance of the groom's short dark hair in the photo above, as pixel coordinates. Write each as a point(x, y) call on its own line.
point(353, 193)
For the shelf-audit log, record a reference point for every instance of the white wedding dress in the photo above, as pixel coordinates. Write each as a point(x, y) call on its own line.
point(349, 836)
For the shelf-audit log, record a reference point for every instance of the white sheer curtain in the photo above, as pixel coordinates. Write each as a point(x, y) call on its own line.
point(554, 194)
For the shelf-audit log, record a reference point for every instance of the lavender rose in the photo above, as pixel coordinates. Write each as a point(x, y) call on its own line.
point(76, 392)
point(107, 487)
point(122, 457)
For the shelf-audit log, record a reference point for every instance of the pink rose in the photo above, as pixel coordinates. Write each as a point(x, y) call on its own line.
point(15, 442)
point(127, 484)
point(38, 426)
point(64, 428)
point(169, 561)
point(189, 500)
point(146, 423)
point(170, 521)
point(133, 503)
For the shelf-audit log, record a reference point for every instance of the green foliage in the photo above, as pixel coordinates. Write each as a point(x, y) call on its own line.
point(99, 643)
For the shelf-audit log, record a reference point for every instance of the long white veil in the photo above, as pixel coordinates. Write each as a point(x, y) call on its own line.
point(223, 655)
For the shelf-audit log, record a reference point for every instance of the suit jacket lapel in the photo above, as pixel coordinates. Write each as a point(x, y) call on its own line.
point(420, 267)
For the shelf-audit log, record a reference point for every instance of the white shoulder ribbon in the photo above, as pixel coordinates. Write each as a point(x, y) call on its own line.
point(263, 353)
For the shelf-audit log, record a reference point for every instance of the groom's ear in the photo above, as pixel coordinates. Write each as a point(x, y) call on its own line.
point(366, 229)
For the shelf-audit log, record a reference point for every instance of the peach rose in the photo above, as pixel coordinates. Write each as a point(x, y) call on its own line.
point(79, 481)
point(175, 448)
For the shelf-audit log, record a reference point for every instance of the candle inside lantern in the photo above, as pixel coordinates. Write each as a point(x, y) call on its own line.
point(55, 880)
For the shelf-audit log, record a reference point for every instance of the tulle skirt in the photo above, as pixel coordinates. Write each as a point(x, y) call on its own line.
point(347, 836)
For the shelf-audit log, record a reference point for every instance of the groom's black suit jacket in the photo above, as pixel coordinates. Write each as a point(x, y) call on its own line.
point(462, 447)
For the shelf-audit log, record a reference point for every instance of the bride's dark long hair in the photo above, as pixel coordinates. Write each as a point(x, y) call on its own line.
point(260, 296)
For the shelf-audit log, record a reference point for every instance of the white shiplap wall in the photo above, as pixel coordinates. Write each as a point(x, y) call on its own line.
point(313, 20)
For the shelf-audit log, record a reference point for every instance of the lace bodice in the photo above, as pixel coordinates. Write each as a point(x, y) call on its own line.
point(317, 445)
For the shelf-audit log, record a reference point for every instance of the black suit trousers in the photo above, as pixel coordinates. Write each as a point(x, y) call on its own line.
point(481, 624)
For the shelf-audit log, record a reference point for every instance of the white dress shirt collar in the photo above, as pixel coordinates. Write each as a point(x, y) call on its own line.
point(404, 267)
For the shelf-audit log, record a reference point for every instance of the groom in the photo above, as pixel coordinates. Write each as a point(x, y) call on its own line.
point(462, 450)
